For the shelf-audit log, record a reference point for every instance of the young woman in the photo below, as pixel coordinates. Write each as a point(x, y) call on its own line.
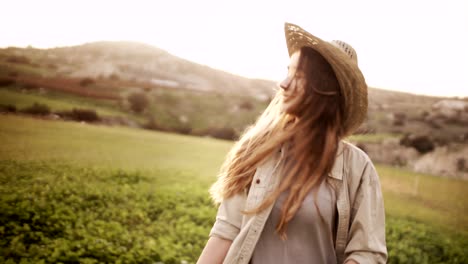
point(290, 190)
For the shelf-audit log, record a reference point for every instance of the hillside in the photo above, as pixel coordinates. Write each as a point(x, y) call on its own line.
point(137, 62)
point(137, 85)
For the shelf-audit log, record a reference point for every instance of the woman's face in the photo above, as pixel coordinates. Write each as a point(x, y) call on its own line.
point(293, 86)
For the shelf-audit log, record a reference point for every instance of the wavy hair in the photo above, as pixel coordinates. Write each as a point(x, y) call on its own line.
point(311, 137)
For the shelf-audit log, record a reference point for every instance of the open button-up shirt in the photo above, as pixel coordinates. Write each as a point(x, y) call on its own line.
point(361, 217)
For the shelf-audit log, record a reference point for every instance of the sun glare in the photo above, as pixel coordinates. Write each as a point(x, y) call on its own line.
point(246, 38)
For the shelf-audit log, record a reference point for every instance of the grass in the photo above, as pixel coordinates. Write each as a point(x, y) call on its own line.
point(121, 184)
point(105, 147)
point(372, 138)
point(432, 200)
point(425, 198)
point(140, 191)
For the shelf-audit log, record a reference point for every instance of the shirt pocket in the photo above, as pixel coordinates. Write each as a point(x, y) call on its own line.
point(262, 184)
point(257, 189)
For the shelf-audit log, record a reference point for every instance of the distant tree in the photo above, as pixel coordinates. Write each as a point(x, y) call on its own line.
point(77, 114)
point(29, 86)
point(246, 105)
point(421, 143)
point(152, 124)
point(138, 102)
point(13, 74)
point(461, 164)
point(221, 132)
point(18, 60)
point(6, 81)
point(37, 109)
point(86, 81)
point(9, 108)
point(114, 77)
point(399, 119)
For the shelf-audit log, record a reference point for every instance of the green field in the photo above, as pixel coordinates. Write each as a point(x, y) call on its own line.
point(79, 193)
point(57, 101)
point(171, 109)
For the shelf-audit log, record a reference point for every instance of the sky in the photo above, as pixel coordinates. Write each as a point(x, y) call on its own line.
point(413, 46)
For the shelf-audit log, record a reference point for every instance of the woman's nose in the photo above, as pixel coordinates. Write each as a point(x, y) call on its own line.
point(285, 83)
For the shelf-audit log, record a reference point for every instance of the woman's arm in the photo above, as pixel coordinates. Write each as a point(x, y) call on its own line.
point(366, 241)
point(224, 231)
point(215, 251)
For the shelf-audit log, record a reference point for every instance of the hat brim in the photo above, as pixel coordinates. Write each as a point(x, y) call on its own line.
point(350, 78)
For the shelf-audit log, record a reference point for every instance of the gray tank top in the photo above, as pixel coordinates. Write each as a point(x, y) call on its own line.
point(310, 238)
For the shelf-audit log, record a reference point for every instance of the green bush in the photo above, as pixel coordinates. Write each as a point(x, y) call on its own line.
point(9, 108)
point(53, 212)
point(37, 109)
point(77, 114)
point(411, 242)
point(138, 102)
point(4, 81)
point(87, 81)
point(56, 213)
point(222, 133)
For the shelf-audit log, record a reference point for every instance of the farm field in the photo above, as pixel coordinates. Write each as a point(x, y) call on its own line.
point(78, 193)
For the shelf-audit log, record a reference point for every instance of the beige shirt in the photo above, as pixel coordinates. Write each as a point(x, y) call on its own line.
point(360, 229)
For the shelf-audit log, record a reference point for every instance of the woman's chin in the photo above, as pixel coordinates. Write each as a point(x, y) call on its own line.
point(288, 109)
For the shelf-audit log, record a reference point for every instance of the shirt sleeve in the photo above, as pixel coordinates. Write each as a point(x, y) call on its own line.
point(229, 218)
point(366, 240)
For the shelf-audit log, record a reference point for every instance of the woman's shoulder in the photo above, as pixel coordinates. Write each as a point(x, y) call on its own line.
point(356, 163)
point(354, 154)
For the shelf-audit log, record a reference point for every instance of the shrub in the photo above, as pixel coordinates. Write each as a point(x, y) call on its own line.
point(138, 102)
point(8, 108)
point(114, 77)
point(184, 129)
point(86, 115)
point(152, 124)
point(399, 119)
point(421, 143)
point(29, 86)
point(246, 105)
point(86, 81)
point(434, 124)
point(6, 81)
point(52, 66)
point(13, 74)
point(222, 133)
point(37, 109)
point(55, 213)
point(461, 164)
point(412, 242)
point(18, 59)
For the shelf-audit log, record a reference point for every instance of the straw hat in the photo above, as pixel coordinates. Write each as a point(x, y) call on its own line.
point(343, 59)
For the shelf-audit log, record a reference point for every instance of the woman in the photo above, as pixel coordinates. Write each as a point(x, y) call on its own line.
point(290, 190)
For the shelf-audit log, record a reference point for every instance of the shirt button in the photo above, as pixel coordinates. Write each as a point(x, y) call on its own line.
point(257, 181)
